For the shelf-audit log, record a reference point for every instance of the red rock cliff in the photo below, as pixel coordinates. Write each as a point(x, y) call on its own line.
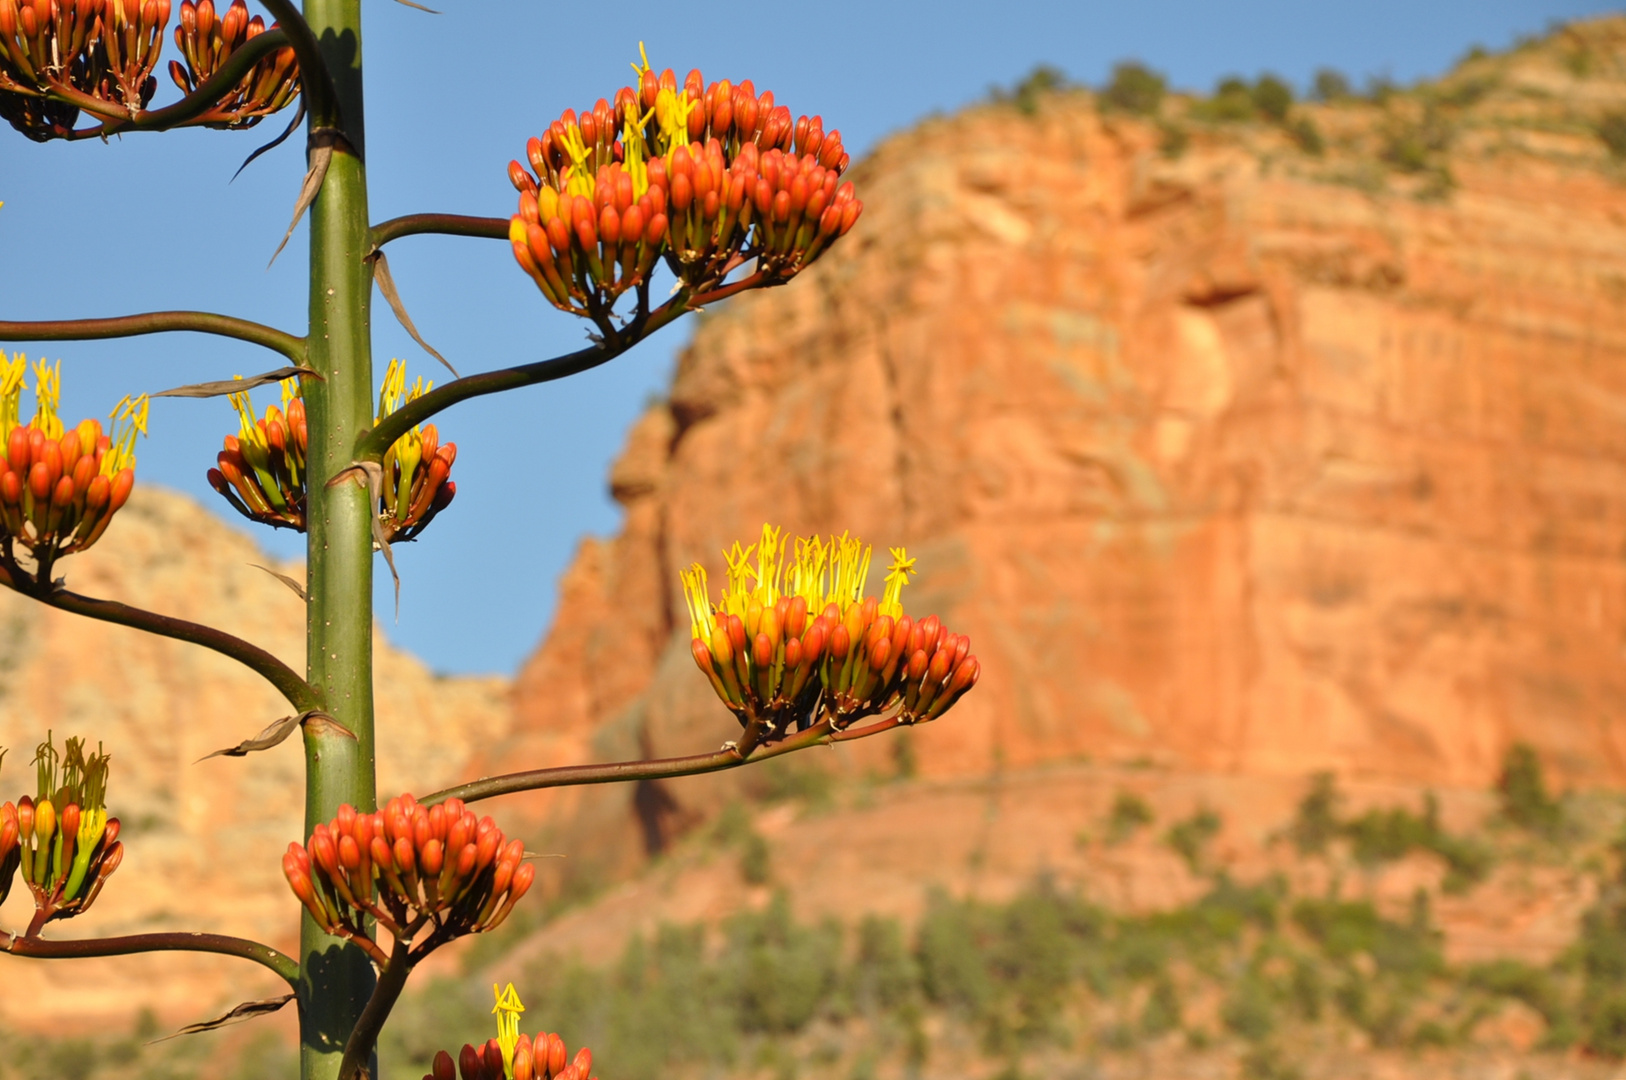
point(1240, 460)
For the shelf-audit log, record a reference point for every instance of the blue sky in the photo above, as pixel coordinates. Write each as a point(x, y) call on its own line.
point(150, 222)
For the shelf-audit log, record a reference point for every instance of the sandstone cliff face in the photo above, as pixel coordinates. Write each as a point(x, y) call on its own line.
point(203, 839)
point(1238, 461)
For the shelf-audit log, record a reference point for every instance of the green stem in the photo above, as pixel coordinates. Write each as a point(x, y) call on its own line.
point(298, 692)
point(655, 769)
point(440, 224)
point(358, 1051)
point(339, 639)
point(264, 955)
point(373, 445)
point(157, 322)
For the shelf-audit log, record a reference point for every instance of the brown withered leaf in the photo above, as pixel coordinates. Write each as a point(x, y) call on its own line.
point(386, 285)
point(371, 473)
point(420, 7)
point(299, 590)
point(222, 387)
point(248, 1010)
point(273, 734)
point(321, 157)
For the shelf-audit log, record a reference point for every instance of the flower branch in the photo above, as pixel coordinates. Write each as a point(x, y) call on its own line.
point(358, 1049)
point(199, 105)
point(264, 955)
point(298, 692)
point(374, 443)
point(730, 757)
point(437, 224)
point(158, 322)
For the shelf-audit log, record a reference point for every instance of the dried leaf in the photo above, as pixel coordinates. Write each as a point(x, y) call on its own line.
point(222, 387)
point(273, 734)
point(298, 589)
point(248, 1010)
point(321, 158)
point(420, 7)
point(299, 118)
point(373, 473)
point(386, 285)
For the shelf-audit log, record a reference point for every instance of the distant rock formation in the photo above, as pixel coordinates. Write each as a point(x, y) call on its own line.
point(1227, 455)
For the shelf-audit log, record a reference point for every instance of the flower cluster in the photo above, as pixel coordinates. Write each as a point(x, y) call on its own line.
point(777, 664)
point(59, 489)
point(261, 470)
point(63, 840)
point(60, 56)
point(438, 867)
point(513, 1055)
point(708, 176)
point(416, 465)
point(208, 41)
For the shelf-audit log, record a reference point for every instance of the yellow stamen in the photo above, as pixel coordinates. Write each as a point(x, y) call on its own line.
point(129, 419)
point(897, 576)
point(47, 395)
point(701, 623)
point(507, 1010)
point(640, 66)
point(11, 393)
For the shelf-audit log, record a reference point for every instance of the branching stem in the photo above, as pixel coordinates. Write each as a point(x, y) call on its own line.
point(820, 734)
point(298, 692)
point(374, 443)
point(358, 1050)
point(264, 955)
point(440, 224)
point(157, 322)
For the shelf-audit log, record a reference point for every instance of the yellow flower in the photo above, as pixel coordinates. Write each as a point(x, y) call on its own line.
point(507, 1010)
point(47, 395)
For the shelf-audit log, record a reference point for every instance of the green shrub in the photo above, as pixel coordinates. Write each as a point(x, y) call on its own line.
point(1135, 88)
point(1272, 97)
point(1189, 838)
point(1129, 812)
point(1161, 1013)
point(1232, 102)
point(1517, 980)
point(1307, 137)
point(953, 970)
point(778, 973)
point(1411, 146)
point(1268, 1063)
point(1316, 823)
point(1042, 80)
point(884, 974)
point(1330, 85)
point(1611, 131)
point(1307, 989)
point(1525, 801)
point(756, 860)
point(1174, 142)
point(1248, 1010)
